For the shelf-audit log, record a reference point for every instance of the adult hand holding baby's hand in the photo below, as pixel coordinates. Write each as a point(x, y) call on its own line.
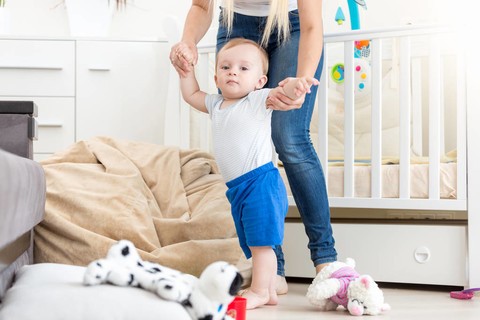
point(184, 56)
point(278, 100)
point(299, 86)
point(290, 93)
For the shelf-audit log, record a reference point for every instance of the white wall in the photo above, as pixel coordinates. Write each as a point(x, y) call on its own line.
point(48, 17)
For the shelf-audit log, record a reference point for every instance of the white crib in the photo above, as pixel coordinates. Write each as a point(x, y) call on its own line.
point(432, 79)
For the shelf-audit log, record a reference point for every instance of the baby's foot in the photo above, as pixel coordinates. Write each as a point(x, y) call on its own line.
point(273, 298)
point(281, 286)
point(255, 300)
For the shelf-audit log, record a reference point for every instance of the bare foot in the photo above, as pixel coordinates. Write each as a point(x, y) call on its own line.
point(255, 300)
point(281, 285)
point(319, 267)
point(273, 301)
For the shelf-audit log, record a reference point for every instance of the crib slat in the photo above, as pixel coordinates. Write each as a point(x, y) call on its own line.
point(434, 110)
point(376, 183)
point(405, 104)
point(322, 109)
point(349, 114)
point(417, 117)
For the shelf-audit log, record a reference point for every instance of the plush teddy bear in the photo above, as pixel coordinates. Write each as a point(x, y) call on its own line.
point(206, 297)
point(339, 284)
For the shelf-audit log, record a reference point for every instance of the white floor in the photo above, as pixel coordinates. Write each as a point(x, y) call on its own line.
point(407, 304)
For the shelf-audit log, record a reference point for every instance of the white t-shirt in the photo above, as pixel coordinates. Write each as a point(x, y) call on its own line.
point(257, 8)
point(241, 133)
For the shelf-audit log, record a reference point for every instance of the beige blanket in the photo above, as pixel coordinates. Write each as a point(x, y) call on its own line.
point(170, 203)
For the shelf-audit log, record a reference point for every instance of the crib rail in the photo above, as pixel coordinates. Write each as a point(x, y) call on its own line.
point(422, 93)
point(410, 95)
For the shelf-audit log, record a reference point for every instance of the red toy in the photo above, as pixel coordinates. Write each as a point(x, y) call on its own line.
point(237, 308)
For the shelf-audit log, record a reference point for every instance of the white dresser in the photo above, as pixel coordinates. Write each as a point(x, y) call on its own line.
point(87, 87)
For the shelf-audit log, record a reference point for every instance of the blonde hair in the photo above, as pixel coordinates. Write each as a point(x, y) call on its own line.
point(239, 41)
point(277, 19)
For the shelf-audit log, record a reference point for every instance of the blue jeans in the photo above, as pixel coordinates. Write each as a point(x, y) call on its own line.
point(291, 137)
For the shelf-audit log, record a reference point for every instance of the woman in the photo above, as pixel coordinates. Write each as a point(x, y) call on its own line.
point(291, 31)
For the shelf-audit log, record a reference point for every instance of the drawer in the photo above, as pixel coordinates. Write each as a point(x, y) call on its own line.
point(121, 90)
point(56, 123)
point(418, 254)
point(37, 68)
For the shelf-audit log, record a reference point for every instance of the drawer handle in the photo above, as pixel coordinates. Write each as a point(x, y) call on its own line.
point(32, 67)
point(50, 124)
point(422, 254)
point(99, 68)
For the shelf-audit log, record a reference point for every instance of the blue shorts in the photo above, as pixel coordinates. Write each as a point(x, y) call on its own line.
point(259, 206)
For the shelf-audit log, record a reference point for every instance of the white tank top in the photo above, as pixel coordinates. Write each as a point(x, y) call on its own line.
point(257, 8)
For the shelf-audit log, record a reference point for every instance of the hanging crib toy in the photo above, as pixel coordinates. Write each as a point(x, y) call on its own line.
point(361, 49)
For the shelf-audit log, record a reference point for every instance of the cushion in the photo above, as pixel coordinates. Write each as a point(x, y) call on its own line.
point(55, 291)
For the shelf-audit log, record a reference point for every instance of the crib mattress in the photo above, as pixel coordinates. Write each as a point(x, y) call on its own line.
point(390, 181)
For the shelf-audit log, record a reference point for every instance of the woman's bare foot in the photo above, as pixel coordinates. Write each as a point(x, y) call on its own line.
point(255, 300)
point(319, 267)
point(281, 285)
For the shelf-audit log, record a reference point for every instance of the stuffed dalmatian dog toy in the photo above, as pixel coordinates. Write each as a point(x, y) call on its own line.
point(205, 298)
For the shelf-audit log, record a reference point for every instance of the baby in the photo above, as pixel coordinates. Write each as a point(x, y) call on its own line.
point(241, 132)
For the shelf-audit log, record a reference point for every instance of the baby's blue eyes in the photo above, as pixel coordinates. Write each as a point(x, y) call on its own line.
point(227, 68)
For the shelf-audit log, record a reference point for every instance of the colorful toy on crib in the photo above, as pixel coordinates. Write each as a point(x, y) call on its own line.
point(362, 49)
point(339, 284)
point(338, 73)
point(206, 297)
point(339, 16)
point(362, 71)
point(353, 10)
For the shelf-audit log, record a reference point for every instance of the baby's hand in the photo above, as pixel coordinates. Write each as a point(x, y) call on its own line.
point(297, 87)
point(183, 57)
